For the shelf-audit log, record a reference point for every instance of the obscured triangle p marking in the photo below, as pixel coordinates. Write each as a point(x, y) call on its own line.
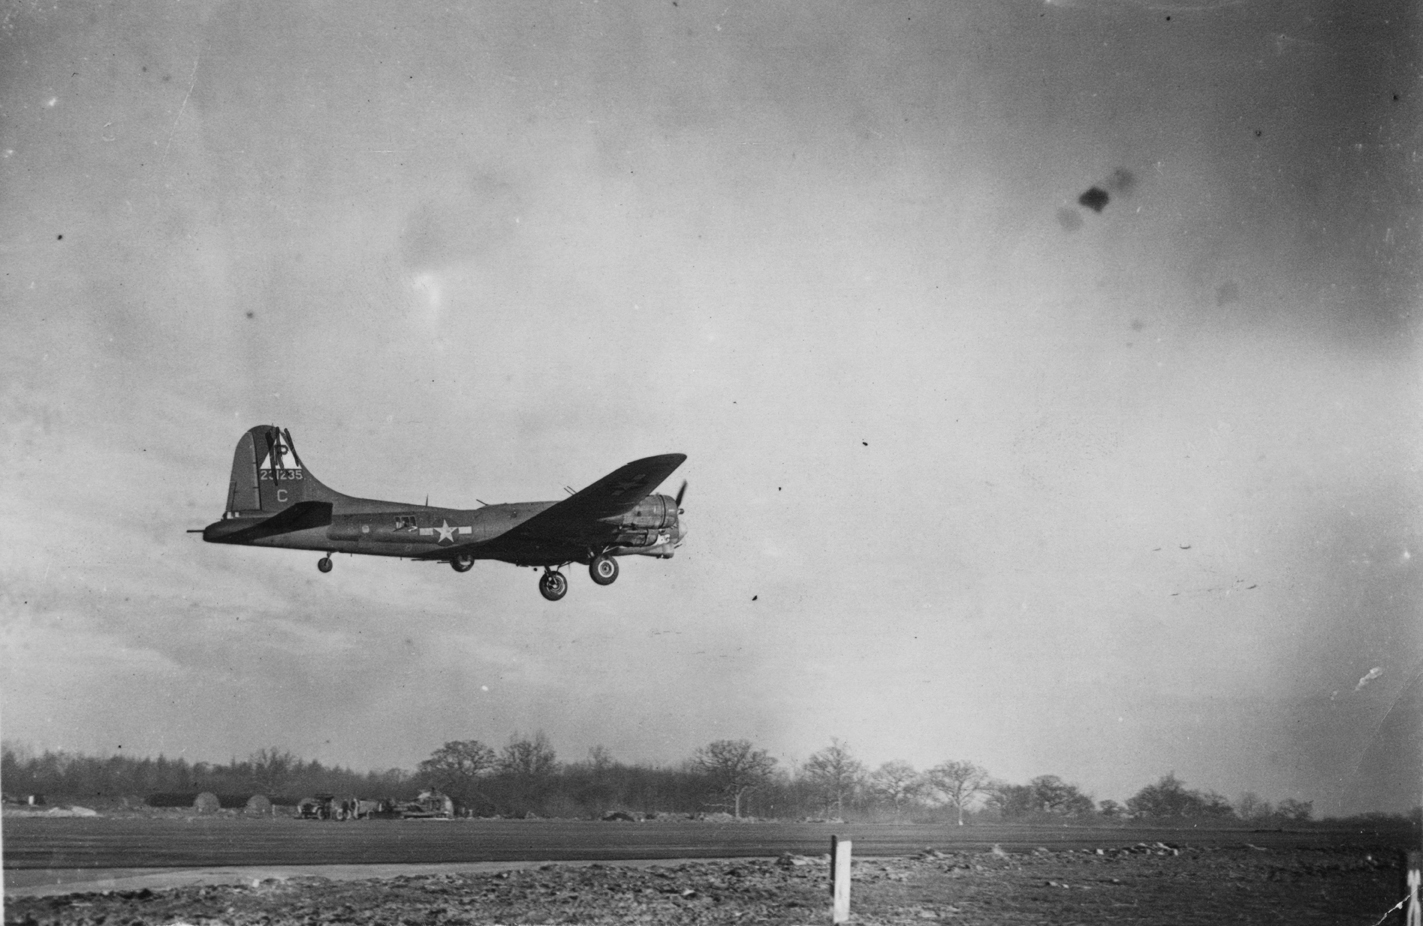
point(280, 455)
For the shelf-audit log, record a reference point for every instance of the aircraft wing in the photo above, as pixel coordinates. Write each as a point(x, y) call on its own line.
point(577, 520)
point(615, 494)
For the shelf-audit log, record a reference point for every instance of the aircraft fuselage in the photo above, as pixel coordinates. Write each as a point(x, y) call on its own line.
point(380, 528)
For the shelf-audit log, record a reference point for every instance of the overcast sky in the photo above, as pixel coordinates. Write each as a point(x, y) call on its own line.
point(977, 470)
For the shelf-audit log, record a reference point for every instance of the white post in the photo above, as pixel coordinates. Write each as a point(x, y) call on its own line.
point(1414, 913)
point(840, 879)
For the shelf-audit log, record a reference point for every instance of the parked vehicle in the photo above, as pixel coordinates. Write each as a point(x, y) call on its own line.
point(429, 804)
point(315, 808)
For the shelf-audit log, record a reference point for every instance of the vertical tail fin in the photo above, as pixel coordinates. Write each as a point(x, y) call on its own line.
point(267, 474)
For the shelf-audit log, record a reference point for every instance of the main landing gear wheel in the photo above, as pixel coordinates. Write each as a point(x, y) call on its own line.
point(462, 563)
point(553, 585)
point(324, 564)
point(603, 569)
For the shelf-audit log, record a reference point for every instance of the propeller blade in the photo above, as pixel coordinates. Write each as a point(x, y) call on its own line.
point(680, 492)
point(272, 455)
point(291, 446)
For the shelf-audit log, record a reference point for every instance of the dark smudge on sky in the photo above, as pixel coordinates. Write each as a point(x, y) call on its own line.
point(1122, 180)
point(1095, 199)
point(1069, 219)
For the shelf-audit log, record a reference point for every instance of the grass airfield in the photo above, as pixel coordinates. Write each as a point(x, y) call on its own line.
point(279, 870)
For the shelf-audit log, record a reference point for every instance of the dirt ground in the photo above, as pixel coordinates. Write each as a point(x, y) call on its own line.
point(1138, 884)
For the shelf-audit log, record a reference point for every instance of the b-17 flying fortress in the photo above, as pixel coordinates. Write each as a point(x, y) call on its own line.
point(273, 500)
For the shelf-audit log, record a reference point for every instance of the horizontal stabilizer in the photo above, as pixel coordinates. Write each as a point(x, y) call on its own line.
point(299, 517)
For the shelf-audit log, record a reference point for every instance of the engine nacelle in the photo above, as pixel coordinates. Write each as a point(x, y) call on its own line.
point(649, 543)
point(654, 513)
point(632, 540)
point(653, 541)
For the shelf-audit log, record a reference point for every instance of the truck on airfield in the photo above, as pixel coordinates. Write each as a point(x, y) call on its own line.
point(315, 808)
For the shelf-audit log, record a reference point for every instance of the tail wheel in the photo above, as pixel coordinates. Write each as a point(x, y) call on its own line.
point(603, 569)
point(553, 585)
point(324, 564)
point(462, 563)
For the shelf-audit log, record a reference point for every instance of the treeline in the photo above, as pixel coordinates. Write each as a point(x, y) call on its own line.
point(270, 772)
point(525, 777)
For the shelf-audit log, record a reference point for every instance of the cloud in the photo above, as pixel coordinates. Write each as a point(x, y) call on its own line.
point(466, 223)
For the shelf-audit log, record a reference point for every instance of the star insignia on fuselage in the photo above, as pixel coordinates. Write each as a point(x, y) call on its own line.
point(446, 532)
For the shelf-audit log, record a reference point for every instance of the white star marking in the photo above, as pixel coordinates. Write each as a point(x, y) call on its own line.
point(446, 532)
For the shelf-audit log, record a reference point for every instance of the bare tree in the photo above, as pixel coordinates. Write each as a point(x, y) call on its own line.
point(734, 767)
point(959, 782)
point(529, 759)
point(896, 782)
point(600, 758)
point(528, 767)
point(1295, 811)
point(1170, 798)
point(454, 767)
point(835, 774)
point(1251, 806)
point(271, 769)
